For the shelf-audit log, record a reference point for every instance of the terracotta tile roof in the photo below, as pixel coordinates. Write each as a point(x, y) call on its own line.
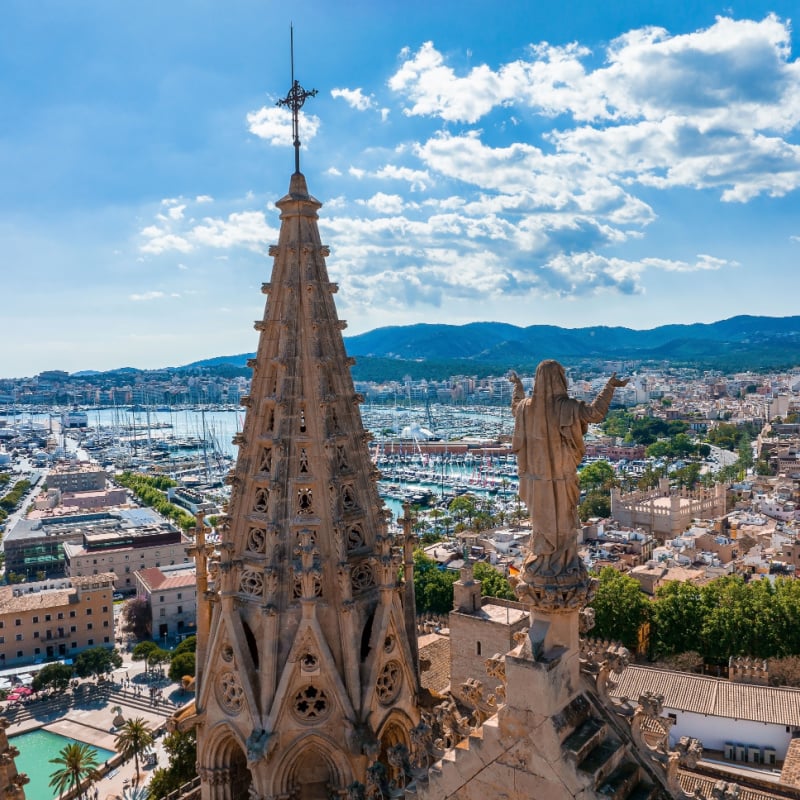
point(152, 577)
point(156, 580)
point(30, 602)
point(434, 650)
point(712, 696)
point(690, 781)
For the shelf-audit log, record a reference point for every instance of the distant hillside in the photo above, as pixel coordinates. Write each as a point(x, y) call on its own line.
point(742, 342)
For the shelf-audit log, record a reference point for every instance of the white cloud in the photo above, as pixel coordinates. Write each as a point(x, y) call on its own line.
point(355, 98)
point(708, 109)
point(247, 229)
point(274, 124)
point(384, 203)
point(204, 198)
point(417, 179)
point(144, 296)
point(244, 228)
point(159, 241)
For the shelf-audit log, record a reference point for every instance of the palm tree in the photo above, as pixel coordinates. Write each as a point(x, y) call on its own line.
point(133, 739)
point(76, 761)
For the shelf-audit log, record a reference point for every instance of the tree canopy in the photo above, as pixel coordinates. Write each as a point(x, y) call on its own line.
point(54, 676)
point(433, 587)
point(620, 608)
point(74, 763)
point(97, 661)
point(182, 752)
point(493, 582)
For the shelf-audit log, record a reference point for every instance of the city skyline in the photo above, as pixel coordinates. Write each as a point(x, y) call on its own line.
point(573, 166)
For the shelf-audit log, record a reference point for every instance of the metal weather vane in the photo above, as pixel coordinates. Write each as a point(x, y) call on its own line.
point(294, 101)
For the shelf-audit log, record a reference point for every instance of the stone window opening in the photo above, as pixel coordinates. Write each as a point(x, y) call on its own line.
point(477, 648)
point(305, 502)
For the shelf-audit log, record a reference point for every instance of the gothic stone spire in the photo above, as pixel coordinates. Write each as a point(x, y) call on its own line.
point(308, 658)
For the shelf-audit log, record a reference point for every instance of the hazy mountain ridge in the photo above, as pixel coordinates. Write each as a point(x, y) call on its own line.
point(742, 341)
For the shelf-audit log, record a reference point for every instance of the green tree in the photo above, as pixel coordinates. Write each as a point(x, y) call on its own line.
point(134, 739)
point(678, 614)
point(463, 506)
point(597, 475)
point(493, 582)
point(687, 476)
point(620, 608)
point(180, 665)
point(724, 435)
point(433, 588)
point(75, 762)
point(741, 619)
point(182, 754)
point(52, 676)
point(143, 650)
point(595, 504)
point(188, 645)
point(97, 661)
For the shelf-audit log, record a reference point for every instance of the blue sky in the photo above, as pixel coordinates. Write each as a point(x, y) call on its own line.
point(561, 163)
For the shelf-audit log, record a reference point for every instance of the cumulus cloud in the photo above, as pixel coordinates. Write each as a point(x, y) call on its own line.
point(355, 98)
point(478, 210)
point(274, 124)
point(384, 203)
point(707, 109)
point(174, 232)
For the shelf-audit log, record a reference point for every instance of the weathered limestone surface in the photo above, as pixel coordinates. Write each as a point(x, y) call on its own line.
point(307, 668)
point(547, 739)
point(12, 783)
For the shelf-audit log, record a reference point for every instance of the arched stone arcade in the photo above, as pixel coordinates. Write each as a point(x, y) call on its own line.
point(224, 773)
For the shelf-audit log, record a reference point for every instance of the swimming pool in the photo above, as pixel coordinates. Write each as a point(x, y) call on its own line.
point(36, 748)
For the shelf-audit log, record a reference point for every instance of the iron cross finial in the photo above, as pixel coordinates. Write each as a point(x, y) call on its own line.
point(294, 101)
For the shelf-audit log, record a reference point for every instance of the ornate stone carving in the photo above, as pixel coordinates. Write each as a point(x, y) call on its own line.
point(349, 502)
point(307, 569)
point(362, 577)
point(256, 540)
point(229, 692)
point(496, 668)
point(389, 682)
point(355, 537)
point(261, 500)
point(311, 704)
point(265, 460)
point(257, 744)
point(251, 583)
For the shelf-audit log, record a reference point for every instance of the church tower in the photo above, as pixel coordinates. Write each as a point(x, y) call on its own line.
point(306, 667)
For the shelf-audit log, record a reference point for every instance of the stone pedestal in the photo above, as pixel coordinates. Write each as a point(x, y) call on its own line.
point(543, 672)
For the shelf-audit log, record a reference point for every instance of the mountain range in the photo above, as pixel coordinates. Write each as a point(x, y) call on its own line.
point(484, 348)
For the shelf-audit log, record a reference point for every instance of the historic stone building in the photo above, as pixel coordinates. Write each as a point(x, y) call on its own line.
point(306, 654)
point(667, 512)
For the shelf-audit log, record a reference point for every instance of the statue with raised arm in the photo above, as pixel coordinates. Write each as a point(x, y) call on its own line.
point(549, 427)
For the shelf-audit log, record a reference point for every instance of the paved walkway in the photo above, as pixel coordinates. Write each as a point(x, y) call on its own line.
point(87, 715)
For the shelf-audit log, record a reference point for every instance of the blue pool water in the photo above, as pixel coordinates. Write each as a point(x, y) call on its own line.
point(35, 751)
